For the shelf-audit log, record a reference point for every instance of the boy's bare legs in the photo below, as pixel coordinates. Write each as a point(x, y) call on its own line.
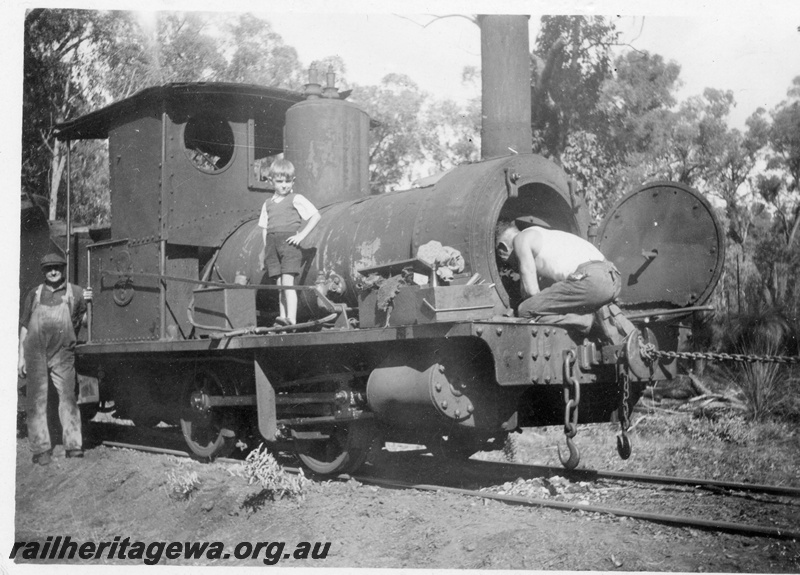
point(290, 298)
point(281, 298)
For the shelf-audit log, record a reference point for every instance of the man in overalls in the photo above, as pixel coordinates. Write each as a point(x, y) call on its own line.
point(51, 317)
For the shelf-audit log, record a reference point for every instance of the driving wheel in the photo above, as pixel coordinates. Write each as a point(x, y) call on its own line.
point(208, 432)
point(339, 449)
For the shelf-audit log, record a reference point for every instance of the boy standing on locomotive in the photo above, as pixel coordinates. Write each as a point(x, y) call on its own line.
point(282, 230)
point(51, 317)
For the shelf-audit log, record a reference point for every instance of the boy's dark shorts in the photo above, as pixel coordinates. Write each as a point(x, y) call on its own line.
point(280, 257)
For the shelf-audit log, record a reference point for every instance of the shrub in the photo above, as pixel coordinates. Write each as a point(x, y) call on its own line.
point(260, 466)
point(510, 449)
point(182, 486)
point(767, 388)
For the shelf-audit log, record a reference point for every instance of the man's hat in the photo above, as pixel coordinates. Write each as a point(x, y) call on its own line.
point(53, 260)
point(528, 221)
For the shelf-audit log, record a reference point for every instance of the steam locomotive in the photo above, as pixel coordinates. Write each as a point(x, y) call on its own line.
point(181, 325)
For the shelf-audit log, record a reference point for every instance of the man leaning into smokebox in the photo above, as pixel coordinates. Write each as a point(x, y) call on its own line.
point(582, 282)
point(51, 318)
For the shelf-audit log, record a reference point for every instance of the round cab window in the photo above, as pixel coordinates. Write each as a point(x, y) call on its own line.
point(209, 143)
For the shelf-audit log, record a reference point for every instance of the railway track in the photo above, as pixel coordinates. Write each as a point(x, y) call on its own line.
point(478, 473)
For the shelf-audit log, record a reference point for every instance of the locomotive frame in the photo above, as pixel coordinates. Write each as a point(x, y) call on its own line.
point(180, 327)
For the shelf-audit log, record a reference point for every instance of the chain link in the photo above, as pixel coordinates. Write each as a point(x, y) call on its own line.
point(571, 387)
point(648, 351)
point(623, 408)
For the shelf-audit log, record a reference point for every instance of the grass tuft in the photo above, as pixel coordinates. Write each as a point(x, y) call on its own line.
point(181, 486)
point(260, 466)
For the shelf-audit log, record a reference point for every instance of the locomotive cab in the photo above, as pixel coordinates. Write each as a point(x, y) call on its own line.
point(185, 167)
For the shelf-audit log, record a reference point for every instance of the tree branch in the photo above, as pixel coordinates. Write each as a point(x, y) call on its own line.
point(472, 19)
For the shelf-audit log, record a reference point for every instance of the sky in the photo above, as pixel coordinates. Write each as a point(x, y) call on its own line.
point(753, 53)
point(736, 45)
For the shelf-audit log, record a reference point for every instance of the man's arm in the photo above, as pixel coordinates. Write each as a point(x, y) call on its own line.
point(524, 251)
point(22, 369)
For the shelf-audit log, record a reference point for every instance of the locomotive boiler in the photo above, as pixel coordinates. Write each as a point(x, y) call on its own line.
point(182, 329)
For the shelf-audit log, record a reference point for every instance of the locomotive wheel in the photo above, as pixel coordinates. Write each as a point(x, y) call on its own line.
point(344, 450)
point(207, 432)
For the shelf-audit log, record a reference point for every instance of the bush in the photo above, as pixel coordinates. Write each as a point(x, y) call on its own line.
point(182, 486)
point(768, 388)
point(260, 466)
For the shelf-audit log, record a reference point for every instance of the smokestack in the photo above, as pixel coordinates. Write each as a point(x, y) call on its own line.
point(506, 85)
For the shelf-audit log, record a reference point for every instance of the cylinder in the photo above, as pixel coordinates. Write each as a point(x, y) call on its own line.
point(461, 211)
point(505, 85)
point(451, 385)
point(327, 141)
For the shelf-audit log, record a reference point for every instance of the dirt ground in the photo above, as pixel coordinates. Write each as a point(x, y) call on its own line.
point(126, 494)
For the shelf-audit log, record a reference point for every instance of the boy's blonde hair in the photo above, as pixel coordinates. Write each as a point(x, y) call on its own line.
point(281, 167)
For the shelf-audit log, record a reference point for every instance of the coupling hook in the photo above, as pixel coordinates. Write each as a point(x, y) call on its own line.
point(623, 445)
point(574, 455)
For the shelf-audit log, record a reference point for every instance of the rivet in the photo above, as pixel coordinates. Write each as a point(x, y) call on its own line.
point(457, 413)
point(547, 355)
point(479, 331)
point(499, 331)
point(535, 331)
point(546, 332)
point(535, 354)
point(444, 405)
point(438, 387)
point(547, 379)
point(535, 379)
point(470, 409)
point(441, 369)
point(519, 354)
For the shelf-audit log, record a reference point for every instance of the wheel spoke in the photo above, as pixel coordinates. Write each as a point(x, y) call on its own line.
point(202, 430)
point(343, 452)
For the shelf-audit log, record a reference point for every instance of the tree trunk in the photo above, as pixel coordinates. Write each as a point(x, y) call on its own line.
point(57, 168)
point(795, 227)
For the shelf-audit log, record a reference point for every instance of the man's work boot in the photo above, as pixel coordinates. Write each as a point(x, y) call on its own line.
point(42, 458)
point(615, 326)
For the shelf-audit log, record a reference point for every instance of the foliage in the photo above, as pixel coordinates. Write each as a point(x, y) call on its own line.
point(451, 133)
point(260, 56)
point(90, 185)
point(396, 144)
point(588, 164)
point(181, 486)
point(260, 466)
point(767, 388)
point(510, 449)
point(65, 52)
point(572, 60)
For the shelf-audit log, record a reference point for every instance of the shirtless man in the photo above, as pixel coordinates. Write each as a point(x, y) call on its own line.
point(583, 280)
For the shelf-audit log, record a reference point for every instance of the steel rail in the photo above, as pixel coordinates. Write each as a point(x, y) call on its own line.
point(741, 528)
point(745, 529)
point(179, 453)
point(161, 450)
point(593, 474)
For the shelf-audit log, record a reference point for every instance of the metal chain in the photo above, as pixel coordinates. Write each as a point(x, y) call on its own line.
point(623, 408)
point(571, 384)
point(648, 351)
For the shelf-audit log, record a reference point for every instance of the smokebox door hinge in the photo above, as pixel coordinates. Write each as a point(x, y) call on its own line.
point(511, 183)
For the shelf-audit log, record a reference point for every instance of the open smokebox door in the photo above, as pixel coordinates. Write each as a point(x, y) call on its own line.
point(668, 245)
